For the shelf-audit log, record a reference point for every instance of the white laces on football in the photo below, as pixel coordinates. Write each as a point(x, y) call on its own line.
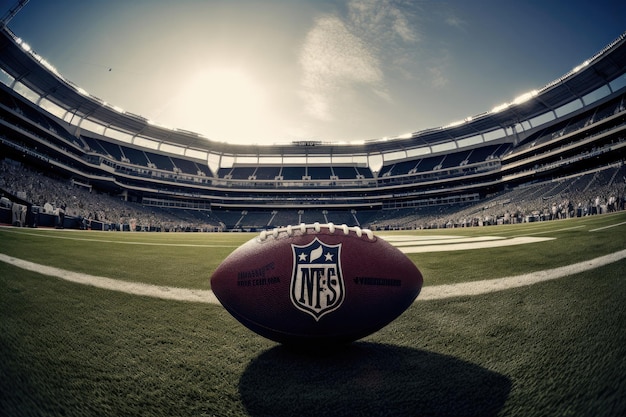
point(317, 227)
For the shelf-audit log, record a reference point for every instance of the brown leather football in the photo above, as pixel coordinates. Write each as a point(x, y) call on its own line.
point(316, 284)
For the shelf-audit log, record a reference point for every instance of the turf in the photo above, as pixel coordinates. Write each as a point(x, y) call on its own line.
point(557, 348)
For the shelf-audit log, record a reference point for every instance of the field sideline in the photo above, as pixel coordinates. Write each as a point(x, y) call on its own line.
point(436, 292)
point(553, 348)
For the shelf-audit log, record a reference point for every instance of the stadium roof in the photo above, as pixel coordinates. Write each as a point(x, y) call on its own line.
point(31, 70)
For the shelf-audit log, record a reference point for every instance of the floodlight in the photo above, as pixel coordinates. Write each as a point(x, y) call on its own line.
point(49, 66)
point(525, 97)
point(500, 108)
point(581, 66)
point(157, 124)
point(457, 123)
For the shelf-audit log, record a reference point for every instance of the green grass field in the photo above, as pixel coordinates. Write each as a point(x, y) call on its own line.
point(557, 348)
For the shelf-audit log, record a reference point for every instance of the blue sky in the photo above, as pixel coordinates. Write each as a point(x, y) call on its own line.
point(277, 71)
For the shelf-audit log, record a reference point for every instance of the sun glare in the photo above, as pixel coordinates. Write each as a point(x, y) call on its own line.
point(222, 103)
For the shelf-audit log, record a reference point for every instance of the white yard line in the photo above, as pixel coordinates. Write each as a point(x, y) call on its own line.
point(474, 244)
point(543, 232)
point(436, 292)
point(607, 227)
point(122, 242)
point(404, 238)
point(421, 242)
point(135, 288)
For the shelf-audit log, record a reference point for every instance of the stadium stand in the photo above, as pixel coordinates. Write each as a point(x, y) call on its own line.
point(559, 154)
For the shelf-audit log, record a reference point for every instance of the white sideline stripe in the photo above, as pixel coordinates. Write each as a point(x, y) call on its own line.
point(122, 242)
point(420, 242)
point(607, 227)
point(436, 292)
point(543, 232)
point(500, 242)
point(135, 288)
point(404, 238)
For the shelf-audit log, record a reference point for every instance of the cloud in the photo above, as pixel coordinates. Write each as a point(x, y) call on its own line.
point(402, 27)
point(333, 59)
point(437, 77)
point(455, 22)
point(387, 21)
point(391, 29)
point(343, 56)
point(438, 69)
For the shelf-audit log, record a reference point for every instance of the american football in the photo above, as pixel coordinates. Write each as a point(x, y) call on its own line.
point(316, 284)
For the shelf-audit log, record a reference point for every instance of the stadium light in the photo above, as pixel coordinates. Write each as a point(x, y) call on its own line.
point(500, 108)
point(518, 100)
point(153, 123)
point(114, 107)
point(457, 123)
point(581, 66)
point(23, 44)
point(50, 67)
point(525, 97)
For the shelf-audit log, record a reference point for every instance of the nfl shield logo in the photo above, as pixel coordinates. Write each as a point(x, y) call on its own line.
point(317, 286)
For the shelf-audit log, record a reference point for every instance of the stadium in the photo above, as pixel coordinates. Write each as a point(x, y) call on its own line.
point(93, 194)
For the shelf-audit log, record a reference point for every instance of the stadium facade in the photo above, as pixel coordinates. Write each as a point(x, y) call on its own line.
point(573, 126)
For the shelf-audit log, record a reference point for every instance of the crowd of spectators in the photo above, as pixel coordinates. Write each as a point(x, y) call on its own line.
point(589, 194)
point(74, 199)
